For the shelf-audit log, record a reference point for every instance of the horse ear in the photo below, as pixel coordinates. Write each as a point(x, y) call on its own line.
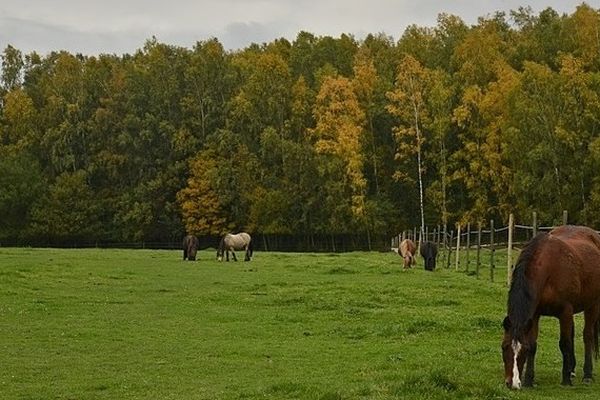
point(506, 324)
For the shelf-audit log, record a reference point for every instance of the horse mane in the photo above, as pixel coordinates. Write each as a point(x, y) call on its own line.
point(520, 295)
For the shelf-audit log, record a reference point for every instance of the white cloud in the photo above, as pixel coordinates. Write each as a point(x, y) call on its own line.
point(118, 26)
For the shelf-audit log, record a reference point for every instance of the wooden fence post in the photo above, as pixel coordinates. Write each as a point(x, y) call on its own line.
point(420, 242)
point(444, 241)
point(450, 248)
point(478, 250)
point(437, 239)
point(511, 223)
point(535, 224)
point(457, 248)
point(493, 249)
point(468, 245)
point(565, 217)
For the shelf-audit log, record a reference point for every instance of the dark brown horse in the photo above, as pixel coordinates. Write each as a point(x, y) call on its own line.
point(190, 247)
point(407, 251)
point(429, 254)
point(557, 274)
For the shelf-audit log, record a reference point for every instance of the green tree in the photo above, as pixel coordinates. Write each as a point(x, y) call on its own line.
point(68, 211)
point(581, 30)
point(555, 116)
point(21, 184)
point(481, 161)
point(439, 103)
point(364, 84)
point(217, 198)
point(539, 38)
point(12, 68)
point(264, 98)
point(208, 87)
point(19, 128)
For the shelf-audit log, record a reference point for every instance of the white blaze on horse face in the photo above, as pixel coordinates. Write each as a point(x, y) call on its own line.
point(516, 380)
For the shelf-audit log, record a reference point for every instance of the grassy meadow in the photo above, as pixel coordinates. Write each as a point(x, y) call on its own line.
point(143, 324)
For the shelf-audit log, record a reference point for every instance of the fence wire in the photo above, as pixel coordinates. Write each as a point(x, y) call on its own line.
point(452, 243)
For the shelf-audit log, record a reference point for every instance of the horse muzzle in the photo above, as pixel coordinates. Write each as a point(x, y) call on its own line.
point(513, 383)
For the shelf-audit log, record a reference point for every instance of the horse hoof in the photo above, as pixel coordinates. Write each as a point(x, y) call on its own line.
point(588, 381)
point(566, 383)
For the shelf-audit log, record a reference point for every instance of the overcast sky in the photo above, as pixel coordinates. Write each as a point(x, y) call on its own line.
point(122, 26)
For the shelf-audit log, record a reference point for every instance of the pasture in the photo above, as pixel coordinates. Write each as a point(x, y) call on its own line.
point(143, 324)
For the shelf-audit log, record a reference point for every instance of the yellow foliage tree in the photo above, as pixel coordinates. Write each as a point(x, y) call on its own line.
point(200, 207)
point(407, 102)
point(338, 131)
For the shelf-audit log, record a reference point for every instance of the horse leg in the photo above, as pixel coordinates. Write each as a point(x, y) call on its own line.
point(573, 362)
point(566, 345)
point(530, 362)
point(590, 340)
point(233, 254)
point(247, 256)
point(227, 255)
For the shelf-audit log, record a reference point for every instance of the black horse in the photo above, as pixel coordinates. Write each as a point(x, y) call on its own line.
point(429, 253)
point(190, 247)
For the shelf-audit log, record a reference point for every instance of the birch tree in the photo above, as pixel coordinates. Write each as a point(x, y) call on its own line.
point(408, 104)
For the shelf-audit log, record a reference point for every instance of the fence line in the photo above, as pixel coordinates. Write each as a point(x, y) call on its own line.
point(447, 242)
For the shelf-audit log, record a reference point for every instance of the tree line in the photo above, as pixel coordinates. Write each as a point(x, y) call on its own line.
point(315, 136)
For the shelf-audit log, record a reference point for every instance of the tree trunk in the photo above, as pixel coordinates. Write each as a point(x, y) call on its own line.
point(418, 132)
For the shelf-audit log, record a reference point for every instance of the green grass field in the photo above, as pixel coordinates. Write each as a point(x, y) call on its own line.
point(142, 324)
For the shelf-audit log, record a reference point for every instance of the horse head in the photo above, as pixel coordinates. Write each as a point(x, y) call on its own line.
point(190, 247)
point(408, 257)
point(429, 254)
point(516, 345)
point(221, 249)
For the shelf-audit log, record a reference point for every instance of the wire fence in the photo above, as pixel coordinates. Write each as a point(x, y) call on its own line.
point(462, 248)
point(335, 243)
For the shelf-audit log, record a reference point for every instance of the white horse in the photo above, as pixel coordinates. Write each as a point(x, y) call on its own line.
point(231, 242)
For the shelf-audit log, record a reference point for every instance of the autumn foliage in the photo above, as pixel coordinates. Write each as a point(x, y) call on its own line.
point(319, 135)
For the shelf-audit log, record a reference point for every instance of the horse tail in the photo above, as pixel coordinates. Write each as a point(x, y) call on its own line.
point(250, 247)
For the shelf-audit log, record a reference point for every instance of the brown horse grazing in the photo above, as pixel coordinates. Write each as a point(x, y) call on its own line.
point(407, 251)
point(190, 247)
point(557, 274)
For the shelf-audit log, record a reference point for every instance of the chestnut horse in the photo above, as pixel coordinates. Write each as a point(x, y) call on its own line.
point(557, 274)
point(407, 251)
